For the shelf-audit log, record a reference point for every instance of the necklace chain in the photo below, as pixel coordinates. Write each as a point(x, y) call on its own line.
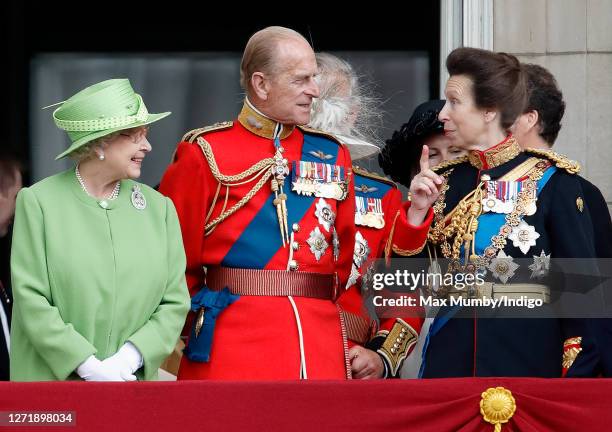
point(113, 195)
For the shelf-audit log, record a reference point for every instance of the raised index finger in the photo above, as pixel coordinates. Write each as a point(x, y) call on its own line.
point(424, 162)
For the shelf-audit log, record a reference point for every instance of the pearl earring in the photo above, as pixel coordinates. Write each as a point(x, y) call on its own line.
point(101, 157)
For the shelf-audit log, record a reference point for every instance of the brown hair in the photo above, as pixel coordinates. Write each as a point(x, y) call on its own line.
point(546, 98)
point(498, 80)
point(260, 51)
point(9, 167)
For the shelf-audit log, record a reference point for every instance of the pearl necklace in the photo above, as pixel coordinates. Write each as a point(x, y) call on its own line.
point(113, 195)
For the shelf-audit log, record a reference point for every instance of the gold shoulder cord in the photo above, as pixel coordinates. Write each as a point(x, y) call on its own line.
point(561, 162)
point(263, 169)
point(192, 135)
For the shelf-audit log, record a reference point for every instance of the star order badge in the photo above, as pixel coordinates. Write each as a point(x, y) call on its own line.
point(503, 267)
point(524, 236)
point(540, 266)
point(318, 244)
point(325, 214)
point(362, 250)
point(353, 276)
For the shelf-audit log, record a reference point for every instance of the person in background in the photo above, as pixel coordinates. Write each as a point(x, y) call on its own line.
point(346, 109)
point(399, 158)
point(97, 260)
point(10, 184)
point(538, 128)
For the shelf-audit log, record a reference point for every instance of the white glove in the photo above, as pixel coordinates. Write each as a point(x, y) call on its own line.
point(93, 369)
point(124, 362)
point(119, 367)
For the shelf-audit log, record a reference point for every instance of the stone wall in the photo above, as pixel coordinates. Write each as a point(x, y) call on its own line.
point(573, 39)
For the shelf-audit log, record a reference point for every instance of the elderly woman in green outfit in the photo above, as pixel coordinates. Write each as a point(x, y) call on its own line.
point(97, 260)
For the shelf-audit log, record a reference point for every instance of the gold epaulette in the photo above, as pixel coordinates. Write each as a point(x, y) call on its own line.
point(561, 162)
point(192, 135)
point(321, 133)
point(365, 173)
point(449, 163)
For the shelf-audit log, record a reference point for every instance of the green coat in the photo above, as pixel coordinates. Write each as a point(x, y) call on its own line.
point(87, 279)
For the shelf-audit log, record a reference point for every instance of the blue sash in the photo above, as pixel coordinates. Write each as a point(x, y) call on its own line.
point(260, 241)
point(488, 226)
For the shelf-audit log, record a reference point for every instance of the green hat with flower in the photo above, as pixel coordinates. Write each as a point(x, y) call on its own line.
point(101, 109)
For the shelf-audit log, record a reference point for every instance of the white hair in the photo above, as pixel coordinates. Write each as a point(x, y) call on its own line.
point(344, 106)
point(88, 151)
point(260, 52)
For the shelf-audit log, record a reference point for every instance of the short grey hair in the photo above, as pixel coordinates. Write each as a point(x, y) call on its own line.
point(259, 53)
point(345, 105)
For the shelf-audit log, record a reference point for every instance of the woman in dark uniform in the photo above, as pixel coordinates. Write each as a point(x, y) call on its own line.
point(503, 214)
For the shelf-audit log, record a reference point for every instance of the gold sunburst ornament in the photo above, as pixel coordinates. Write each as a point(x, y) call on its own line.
point(497, 406)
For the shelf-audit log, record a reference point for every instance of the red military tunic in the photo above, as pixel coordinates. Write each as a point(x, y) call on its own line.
point(378, 215)
point(258, 337)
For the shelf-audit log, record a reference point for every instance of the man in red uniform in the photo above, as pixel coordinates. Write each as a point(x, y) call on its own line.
point(380, 221)
point(382, 230)
point(266, 207)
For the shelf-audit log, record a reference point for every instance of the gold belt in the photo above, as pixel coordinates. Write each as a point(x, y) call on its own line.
point(510, 291)
point(253, 282)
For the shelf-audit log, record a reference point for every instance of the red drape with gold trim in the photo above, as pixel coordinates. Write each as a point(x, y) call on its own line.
point(398, 405)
